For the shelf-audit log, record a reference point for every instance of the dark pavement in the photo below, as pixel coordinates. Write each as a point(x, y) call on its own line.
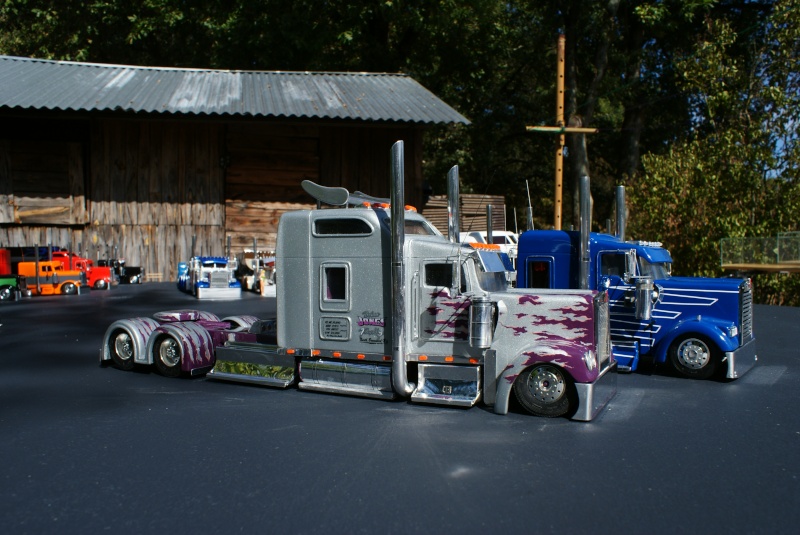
point(90, 449)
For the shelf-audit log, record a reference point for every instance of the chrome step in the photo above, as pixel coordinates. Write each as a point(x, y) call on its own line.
point(448, 385)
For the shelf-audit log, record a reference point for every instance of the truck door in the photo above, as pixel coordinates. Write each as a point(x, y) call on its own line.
point(440, 316)
point(629, 336)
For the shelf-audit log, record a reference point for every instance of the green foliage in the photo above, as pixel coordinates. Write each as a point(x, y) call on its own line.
point(734, 173)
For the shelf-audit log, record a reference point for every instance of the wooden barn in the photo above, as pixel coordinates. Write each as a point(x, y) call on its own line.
point(142, 162)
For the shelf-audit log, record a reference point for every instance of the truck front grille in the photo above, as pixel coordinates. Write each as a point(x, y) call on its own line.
point(218, 279)
point(746, 310)
point(602, 333)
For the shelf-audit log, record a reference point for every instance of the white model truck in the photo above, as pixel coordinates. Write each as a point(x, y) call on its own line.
point(373, 301)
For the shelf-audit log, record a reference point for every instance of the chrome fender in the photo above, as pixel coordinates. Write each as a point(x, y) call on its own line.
point(172, 316)
point(240, 323)
point(197, 347)
point(139, 329)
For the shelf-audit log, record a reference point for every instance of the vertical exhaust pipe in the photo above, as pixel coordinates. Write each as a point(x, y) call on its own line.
point(586, 220)
point(622, 213)
point(489, 229)
point(399, 372)
point(453, 215)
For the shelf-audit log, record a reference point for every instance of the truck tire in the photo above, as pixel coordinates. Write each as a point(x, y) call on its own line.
point(694, 356)
point(100, 285)
point(6, 293)
point(125, 338)
point(545, 390)
point(175, 347)
point(69, 289)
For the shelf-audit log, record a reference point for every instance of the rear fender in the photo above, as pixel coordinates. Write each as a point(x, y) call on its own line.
point(139, 329)
point(197, 346)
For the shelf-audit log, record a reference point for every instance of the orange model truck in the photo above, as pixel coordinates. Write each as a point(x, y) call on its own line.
point(48, 277)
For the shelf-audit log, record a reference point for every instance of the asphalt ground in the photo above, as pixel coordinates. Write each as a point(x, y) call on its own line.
point(91, 449)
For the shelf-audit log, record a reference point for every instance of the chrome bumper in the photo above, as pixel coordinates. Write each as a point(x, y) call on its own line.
point(741, 360)
point(219, 293)
point(592, 397)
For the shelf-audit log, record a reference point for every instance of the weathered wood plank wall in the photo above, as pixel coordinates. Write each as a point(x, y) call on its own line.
point(267, 164)
point(472, 208)
point(142, 189)
point(42, 182)
point(155, 185)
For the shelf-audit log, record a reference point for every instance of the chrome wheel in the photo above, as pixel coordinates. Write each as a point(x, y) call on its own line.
point(169, 353)
point(123, 346)
point(69, 289)
point(545, 390)
point(122, 350)
point(693, 354)
point(546, 384)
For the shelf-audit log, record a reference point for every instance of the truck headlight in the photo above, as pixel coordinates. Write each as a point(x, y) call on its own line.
point(590, 360)
point(733, 331)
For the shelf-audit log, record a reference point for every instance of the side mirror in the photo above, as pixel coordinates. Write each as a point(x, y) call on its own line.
point(630, 265)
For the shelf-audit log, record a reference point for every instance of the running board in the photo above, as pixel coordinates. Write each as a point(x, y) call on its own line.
point(626, 354)
point(255, 365)
point(448, 385)
point(372, 380)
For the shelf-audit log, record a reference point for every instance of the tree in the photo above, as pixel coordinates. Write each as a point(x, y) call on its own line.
point(734, 173)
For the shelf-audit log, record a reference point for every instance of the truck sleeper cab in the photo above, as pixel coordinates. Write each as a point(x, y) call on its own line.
point(700, 325)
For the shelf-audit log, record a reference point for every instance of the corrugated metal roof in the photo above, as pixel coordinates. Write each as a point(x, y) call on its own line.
point(27, 83)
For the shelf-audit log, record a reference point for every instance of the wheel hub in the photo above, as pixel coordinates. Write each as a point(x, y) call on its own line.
point(169, 353)
point(693, 354)
point(546, 384)
point(123, 345)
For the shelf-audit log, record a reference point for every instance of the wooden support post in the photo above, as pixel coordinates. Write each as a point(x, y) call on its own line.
point(560, 129)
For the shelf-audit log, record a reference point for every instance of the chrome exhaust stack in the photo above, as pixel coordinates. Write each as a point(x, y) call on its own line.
point(622, 215)
point(586, 221)
point(453, 215)
point(399, 373)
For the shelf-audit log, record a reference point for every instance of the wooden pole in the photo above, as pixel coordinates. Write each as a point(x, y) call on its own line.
point(559, 122)
point(560, 129)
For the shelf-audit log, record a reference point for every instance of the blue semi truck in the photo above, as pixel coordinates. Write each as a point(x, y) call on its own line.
point(702, 326)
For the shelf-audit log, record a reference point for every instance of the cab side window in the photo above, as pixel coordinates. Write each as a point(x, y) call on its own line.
point(439, 275)
point(612, 264)
point(335, 287)
point(538, 274)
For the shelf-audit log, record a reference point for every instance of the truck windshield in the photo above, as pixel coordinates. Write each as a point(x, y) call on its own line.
point(658, 270)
